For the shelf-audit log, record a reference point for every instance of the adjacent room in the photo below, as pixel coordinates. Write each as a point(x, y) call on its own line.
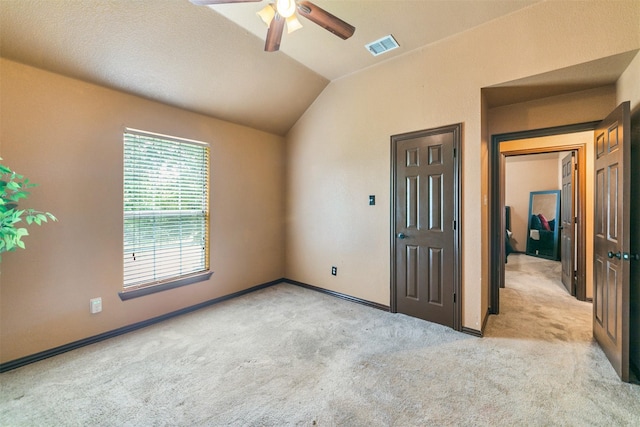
point(331, 199)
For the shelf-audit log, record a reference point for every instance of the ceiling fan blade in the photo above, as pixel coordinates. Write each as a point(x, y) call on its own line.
point(207, 2)
point(274, 35)
point(326, 20)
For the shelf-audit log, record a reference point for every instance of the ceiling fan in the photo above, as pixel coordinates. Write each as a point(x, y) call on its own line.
point(276, 14)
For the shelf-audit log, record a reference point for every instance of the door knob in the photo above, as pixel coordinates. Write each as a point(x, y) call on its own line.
point(616, 255)
point(402, 236)
point(628, 257)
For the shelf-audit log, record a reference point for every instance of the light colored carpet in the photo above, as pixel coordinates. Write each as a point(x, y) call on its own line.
point(290, 356)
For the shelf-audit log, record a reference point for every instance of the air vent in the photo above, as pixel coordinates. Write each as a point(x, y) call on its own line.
point(382, 45)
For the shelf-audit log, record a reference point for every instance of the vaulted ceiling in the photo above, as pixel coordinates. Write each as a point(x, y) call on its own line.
point(211, 60)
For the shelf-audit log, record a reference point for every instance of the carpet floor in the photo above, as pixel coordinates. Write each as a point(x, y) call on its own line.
point(286, 355)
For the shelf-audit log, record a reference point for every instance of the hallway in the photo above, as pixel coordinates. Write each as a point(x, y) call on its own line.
point(535, 304)
point(538, 312)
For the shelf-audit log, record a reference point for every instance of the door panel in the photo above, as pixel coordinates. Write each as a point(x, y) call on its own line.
point(425, 208)
point(611, 238)
point(435, 277)
point(567, 234)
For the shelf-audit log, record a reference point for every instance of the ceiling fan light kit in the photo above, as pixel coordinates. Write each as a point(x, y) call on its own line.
point(286, 8)
point(266, 14)
point(274, 15)
point(293, 24)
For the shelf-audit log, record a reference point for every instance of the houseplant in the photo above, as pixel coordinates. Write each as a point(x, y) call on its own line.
point(13, 190)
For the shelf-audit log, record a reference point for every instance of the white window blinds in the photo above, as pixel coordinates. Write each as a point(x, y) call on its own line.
point(166, 209)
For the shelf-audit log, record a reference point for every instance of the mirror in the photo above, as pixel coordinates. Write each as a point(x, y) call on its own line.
point(544, 214)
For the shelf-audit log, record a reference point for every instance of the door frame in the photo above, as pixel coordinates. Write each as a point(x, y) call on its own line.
point(456, 129)
point(496, 203)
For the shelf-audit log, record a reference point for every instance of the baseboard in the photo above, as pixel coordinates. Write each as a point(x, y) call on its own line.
point(636, 371)
point(338, 295)
point(484, 322)
point(474, 332)
point(17, 363)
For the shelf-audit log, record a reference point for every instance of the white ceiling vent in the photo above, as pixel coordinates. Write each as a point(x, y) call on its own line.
point(382, 45)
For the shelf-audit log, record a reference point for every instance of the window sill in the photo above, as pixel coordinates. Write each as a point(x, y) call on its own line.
point(152, 289)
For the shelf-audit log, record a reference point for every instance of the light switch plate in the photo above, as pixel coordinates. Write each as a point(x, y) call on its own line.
point(95, 305)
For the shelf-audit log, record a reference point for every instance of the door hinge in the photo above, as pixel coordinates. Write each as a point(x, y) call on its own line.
point(454, 152)
point(575, 166)
point(454, 297)
point(454, 224)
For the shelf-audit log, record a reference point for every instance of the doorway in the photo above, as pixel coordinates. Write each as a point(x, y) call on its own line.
point(549, 230)
point(497, 157)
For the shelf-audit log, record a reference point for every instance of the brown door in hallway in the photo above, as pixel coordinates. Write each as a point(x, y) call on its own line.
point(611, 238)
point(425, 267)
point(567, 225)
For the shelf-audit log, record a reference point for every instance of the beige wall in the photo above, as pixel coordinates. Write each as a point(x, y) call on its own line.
point(524, 174)
point(339, 151)
point(67, 136)
point(576, 107)
point(628, 86)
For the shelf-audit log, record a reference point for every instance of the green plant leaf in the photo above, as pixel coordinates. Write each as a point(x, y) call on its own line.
point(12, 192)
point(13, 186)
point(9, 242)
point(18, 195)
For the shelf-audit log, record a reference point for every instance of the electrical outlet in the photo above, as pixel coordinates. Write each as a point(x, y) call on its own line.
point(334, 271)
point(95, 305)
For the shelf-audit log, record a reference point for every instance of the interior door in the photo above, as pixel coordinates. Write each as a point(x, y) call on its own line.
point(424, 250)
point(567, 224)
point(611, 234)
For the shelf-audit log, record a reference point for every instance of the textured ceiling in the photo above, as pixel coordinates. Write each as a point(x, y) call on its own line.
point(166, 50)
point(211, 59)
point(413, 24)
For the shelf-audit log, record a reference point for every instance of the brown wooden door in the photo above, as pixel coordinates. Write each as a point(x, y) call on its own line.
point(611, 238)
point(567, 224)
point(425, 211)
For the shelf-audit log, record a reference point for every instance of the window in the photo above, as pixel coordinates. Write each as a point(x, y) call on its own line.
point(166, 212)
